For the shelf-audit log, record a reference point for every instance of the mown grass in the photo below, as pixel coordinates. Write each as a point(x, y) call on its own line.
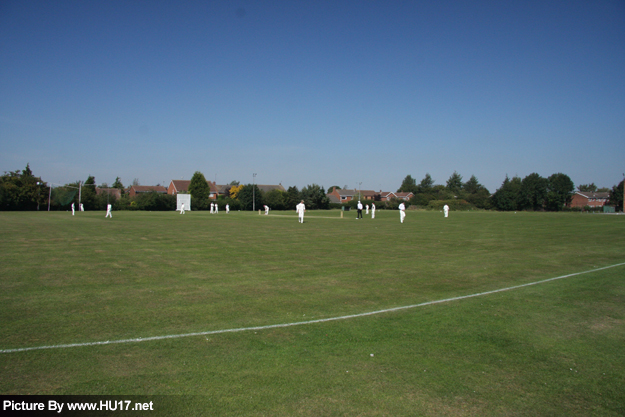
point(549, 349)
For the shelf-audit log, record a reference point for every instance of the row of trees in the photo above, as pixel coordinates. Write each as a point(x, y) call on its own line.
point(455, 192)
point(530, 193)
point(534, 193)
point(21, 190)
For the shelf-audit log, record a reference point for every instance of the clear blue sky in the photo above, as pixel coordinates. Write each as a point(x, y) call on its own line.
point(357, 93)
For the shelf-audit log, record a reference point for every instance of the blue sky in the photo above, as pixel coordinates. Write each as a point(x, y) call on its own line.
point(356, 93)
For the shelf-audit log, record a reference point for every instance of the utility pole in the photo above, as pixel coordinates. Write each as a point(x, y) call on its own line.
point(253, 192)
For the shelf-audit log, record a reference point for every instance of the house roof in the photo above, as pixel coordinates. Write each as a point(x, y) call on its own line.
point(350, 193)
point(148, 188)
point(404, 196)
point(180, 185)
point(183, 185)
point(590, 194)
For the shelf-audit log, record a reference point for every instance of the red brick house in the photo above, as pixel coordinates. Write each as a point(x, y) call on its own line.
point(343, 196)
point(589, 198)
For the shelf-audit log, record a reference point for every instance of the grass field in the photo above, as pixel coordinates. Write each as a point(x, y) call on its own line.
point(555, 348)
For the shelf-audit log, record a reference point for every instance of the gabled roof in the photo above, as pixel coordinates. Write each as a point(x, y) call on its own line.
point(180, 185)
point(148, 188)
point(404, 196)
point(591, 194)
point(350, 193)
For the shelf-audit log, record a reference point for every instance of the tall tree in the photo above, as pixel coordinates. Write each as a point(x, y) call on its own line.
point(276, 199)
point(249, 196)
point(199, 190)
point(533, 192)
point(559, 191)
point(507, 197)
point(454, 183)
point(475, 193)
point(293, 198)
point(408, 185)
point(20, 190)
point(87, 193)
point(315, 197)
point(587, 187)
point(118, 184)
point(426, 184)
point(616, 196)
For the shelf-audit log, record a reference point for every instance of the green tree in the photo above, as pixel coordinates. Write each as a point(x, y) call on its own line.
point(332, 188)
point(426, 184)
point(87, 194)
point(587, 187)
point(533, 192)
point(293, 198)
point(507, 197)
point(248, 194)
point(276, 199)
point(454, 183)
point(408, 185)
point(315, 197)
point(118, 184)
point(475, 193)
point(559, 191)
point(21, 190)
point(616, 196)
point(199, 190)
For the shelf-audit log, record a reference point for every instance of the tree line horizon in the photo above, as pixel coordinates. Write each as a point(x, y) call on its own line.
point(21, 190)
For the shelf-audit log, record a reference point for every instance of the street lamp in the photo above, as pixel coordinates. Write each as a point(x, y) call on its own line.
point(253, 192)
point(49, 194)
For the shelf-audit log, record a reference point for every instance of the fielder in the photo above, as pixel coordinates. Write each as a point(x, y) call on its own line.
point(227, 208)
point(108, 211)
point(300, 209)
point(402, 212)
point(72, 209)
point(266, 210)
point(82, 207)
point(367, 209)
point(182, 208)
point(372, 210)
point(216, 208)
point(446, 210)
point(212, 208)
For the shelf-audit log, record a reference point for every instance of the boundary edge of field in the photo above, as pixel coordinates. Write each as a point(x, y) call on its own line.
point(300, 323)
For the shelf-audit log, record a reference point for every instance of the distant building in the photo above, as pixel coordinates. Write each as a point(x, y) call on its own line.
point(589, 198)
point(343, 196)
point(138, 189)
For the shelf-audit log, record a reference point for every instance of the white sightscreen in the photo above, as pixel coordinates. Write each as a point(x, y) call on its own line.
point(183, 198)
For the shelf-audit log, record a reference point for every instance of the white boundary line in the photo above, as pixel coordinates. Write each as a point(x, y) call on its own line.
point(274, 326)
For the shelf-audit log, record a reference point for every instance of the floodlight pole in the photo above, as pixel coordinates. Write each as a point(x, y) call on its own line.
point(253, 192)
